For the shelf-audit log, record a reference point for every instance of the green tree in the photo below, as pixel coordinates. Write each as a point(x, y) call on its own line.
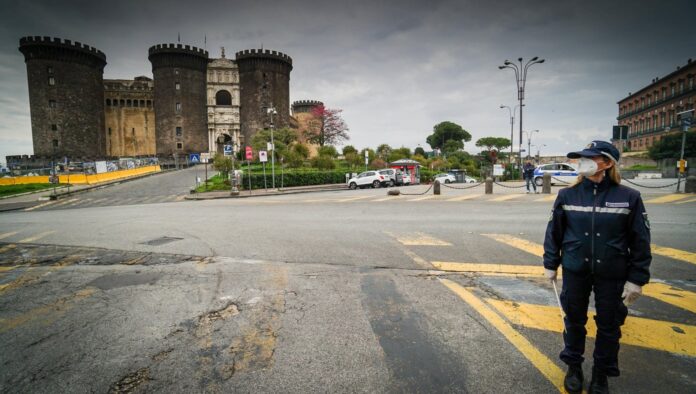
point(499, 143)
point(223, 164)
point(323, 162)
point(401, 153)
point(419, 151)
point(328, 150)
point(421, 159)
point(669, 146)
point(370, 154)
point(301, 149)
point(448, 131)
point(378, 164)
point(293, 159)
point(383, 151)
point(281, 137)
point(452, 146)
point(349, 149)
point(353, 159)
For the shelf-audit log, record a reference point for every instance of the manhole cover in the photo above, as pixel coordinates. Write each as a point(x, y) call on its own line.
point(160, 241)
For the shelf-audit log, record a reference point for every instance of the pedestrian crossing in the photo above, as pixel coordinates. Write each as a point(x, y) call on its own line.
point(87, 202)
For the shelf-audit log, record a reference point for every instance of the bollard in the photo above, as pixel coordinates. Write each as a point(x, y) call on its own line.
point(436, 188)
point(690, 185)
point(546, 186)
point(489, 185)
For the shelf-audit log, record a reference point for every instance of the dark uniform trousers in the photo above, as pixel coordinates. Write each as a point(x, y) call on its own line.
point(611, 315)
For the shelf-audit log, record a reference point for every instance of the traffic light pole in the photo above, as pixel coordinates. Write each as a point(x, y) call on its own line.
point(686, 118)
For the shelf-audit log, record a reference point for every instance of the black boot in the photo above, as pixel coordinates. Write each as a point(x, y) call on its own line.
point(574, 379)
point(599, 383)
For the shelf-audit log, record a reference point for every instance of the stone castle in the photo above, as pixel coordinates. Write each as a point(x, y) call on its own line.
point(192, 104)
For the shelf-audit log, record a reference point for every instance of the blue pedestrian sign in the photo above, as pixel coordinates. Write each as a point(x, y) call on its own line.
point(227, 150)
point(195, 157)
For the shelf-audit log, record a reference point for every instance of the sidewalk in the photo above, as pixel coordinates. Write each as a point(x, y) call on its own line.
point(268, 192)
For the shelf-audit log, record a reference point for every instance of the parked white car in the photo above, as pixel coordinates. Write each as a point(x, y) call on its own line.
point(366, 179)
point(563, 172)
point(445, 178)
point(468, 179)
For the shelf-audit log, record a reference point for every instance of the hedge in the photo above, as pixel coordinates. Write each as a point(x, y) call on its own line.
point(290, 179)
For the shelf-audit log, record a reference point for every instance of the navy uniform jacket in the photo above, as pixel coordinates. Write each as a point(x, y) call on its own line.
point(599, 228)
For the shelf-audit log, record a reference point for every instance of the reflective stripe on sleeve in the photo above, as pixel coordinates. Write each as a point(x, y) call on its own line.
point(578, 208)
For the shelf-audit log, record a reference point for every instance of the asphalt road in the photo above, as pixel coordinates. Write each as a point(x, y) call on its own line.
point(348, 291)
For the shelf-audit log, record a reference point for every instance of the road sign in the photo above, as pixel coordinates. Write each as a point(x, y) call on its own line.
point(227, 150)
point(498, 170)
point(681, 165)
point(195, 157)
point(263, 156)
point(249, 153)
point(205, 157)
point(269, 146)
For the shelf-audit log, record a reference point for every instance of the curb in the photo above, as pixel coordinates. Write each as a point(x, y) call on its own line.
point(243, 195)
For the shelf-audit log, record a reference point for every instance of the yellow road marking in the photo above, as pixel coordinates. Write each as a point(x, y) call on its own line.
point(86, 200)
point(180, 198)
point(653, 334)
point(419, 239)
point(548, 368)
point(521, 270)
point(677, 254)
point(551, 197)
point(667, 198)
point(11, 267)
point(27, 279)
point(40, 205)
point(6, 248)
point(57, 307)
point(97, 201)
point(506, 197)
point(387, 198)
point(66, 202)
point(6, 235)
point(417, 259)
point(686, 201)
point(353, 198)
point(464, 197)
point(422, 198)
point(35, 237)
point(519, 243)
point(671, 295)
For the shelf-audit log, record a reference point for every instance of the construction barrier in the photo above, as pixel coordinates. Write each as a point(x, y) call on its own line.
point(82, 179)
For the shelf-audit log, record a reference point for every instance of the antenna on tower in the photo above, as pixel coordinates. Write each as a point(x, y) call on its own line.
point(178, 37)
point(205, 41)
point(222, 52)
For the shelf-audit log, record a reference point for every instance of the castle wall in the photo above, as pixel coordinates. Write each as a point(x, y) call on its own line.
point(129, 117)
point(66, 94)
point(180, 98)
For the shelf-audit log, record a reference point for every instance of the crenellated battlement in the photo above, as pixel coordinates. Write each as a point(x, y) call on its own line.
point(129, 85)
point(177, 48)
point(313, 103)
point(55, 42)
point(263, 53)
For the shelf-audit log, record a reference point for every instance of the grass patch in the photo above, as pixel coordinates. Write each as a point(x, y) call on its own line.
point(10, 190)
point(214, 183)
point(641, 167)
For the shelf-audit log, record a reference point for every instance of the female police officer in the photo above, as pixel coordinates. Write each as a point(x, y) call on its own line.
point(600, 234)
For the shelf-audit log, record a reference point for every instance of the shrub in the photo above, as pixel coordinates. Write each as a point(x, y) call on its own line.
point(222, 164)
point(377, 164)
point(323, 162)
point(295, 178)
point(328, 150)
point(301, 149)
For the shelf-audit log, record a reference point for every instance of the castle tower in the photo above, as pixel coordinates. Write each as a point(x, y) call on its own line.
point(179, 73)
point(66, 97)
point(264, 81)
point(304, 106)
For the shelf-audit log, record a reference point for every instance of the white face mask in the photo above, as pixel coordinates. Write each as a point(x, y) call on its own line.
point(587, 167)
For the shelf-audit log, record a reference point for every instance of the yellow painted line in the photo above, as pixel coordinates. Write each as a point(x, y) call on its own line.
point(672, 253)
point(97, 201)
point(548, 368)
point(35, 237)
point(551, 197)
point(25, 279)
point(417, 259)
point(506, 197)
point(521, 270)
point(464, 197)
point(11, 267)
point(680, 298)
point(180, 198)
point(353, 198)
point(86, 200)
point(668, 198)
point(57, 307)
point(7, 235)
point(422, 198)
point(686, 201)
point(387, 198)
point(66, 202)
point(40, 205)
point(7, 247)
point(666, 336)
point(519, 243)
point(420, 239)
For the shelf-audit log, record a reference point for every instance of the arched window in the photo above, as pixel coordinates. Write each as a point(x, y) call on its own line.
point(223, 97)
point(108, 102)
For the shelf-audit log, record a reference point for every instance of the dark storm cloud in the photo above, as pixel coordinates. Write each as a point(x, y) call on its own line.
point(395, 67)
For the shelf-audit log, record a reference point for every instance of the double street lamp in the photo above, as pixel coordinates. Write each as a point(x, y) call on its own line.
point(529, 141)
point(521, 79)
point(512, 124)
point(539, 151)
point(272, 111)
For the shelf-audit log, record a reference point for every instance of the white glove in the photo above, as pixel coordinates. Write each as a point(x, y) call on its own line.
point(631, 293)
point(550, 274)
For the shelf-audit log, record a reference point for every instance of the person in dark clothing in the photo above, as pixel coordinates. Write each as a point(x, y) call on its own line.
point(599, 232)
point(528, 171)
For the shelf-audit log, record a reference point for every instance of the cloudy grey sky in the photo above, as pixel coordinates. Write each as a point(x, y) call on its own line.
point(396, 68)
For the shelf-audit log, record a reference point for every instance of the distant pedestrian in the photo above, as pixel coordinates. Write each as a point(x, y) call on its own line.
point(528, 171)
point(599, 232)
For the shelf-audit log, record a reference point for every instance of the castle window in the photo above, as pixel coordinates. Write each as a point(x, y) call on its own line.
point(142, 103)
point(109, 130)
point(179, 133)
point(129, 103)
point(179, 145)
point(51, 81)
point(123, 103)
point(176, 71)
point(55, 143)
point(178, 107)
point(51, 103)
point(223, 97)
point(177, 86)
point(149, 103)
point(133, 131)
point(49, 70)
point(54, 127)
point(108, 102)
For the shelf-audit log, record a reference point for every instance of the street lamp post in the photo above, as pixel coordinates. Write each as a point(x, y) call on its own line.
point(521, 80)
point(529, 141)
point(512, 124)
point(271, 112)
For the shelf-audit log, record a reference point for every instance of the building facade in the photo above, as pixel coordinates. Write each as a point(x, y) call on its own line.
point(651, 112)
point(129, 117)
point(192, 104)
point(223, 104)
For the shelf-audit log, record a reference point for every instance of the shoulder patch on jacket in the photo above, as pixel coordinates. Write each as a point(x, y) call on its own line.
point(617, 204)
point(645, 219)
